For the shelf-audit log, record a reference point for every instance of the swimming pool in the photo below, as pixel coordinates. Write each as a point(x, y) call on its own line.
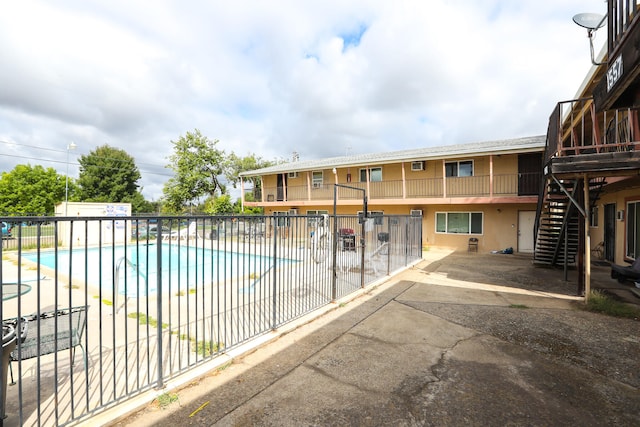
point(135, 268)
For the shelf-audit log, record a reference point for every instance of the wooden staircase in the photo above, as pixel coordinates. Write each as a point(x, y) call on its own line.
point(557, 220)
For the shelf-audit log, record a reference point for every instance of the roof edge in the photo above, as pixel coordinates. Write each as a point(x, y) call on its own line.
point(518, 145)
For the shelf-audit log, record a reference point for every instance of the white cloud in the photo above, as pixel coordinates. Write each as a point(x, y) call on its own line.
point(319, 78)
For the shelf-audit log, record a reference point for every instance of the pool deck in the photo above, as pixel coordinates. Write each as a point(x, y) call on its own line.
point(119, 345)
point(54, 386)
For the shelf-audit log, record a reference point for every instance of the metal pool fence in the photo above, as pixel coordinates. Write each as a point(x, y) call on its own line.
point(97, 310)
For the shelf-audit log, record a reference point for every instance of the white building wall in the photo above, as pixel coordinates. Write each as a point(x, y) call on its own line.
point(91, 232)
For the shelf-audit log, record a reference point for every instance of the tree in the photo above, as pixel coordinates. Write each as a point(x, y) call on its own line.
point(236, 165)
point(108, 174)
point(248, 210)
point(198, 165)
point(219, 206)
point(28, 190)
point(139, 204)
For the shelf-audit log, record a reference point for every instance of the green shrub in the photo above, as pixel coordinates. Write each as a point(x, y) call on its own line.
point(166, 399)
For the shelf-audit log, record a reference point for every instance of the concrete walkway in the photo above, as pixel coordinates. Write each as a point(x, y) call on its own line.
point(433, 347)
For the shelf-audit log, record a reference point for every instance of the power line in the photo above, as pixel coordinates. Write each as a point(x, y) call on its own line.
point(46, 160)
point(78, 164)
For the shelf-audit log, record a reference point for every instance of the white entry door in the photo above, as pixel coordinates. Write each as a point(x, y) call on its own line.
point(526, 220)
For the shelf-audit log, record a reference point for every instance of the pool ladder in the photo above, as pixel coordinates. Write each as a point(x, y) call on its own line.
point(126, 262)
point(252, 288)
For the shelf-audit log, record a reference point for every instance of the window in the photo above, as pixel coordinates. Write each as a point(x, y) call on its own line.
point(283, 218)
point(375, 174)
point(293, 174)
point(464, 168)
point(633, 230)
point(316, 179)
point(311, 222)
point(594, 216)
point(377, 216)
point(417, 166)
point(459, 222)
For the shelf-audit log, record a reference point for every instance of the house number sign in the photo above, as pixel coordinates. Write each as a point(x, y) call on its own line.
point(614, 72)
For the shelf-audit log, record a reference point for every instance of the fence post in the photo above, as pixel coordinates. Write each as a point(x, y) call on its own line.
point(159, 303)
point(334, 247)
point(406, 240)
point(389, 245)
point(274, 288)
point(363, 248)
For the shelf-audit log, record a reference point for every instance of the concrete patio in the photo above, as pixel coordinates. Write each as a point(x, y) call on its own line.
point(459, 339)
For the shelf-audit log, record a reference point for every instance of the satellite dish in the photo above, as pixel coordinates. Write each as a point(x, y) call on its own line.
point(590, 21)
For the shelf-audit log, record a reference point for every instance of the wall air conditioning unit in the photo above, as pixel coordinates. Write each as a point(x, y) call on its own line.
point(293, 174)
point(417, 166)
point(293, 211)
point(416, 212)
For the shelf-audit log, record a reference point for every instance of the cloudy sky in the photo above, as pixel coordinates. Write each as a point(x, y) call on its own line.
point(321, 78)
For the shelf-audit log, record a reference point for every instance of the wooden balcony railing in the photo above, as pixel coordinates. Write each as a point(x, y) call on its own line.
point(421, 187)
point(621, 14)
point(575, 128)
point(472, 186)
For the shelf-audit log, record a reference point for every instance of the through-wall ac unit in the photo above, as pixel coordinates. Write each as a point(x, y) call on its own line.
point(293, 174)
point(416, 212)
point(293, 211)
point(417, 166)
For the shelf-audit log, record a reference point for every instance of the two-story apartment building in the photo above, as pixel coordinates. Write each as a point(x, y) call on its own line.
point(486, 190)
point(559, 196)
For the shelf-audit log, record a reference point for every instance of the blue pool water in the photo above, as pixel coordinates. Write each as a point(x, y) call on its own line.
point(182, 267)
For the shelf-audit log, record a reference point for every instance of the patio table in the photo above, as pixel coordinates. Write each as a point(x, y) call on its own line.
point(12, 290)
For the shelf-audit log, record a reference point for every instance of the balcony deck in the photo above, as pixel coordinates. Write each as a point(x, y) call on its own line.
point(429, 190)
point(583, 141)
point(597, 164)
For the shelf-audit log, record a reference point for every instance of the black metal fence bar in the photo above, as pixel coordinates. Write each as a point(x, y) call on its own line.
point(166, 294)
